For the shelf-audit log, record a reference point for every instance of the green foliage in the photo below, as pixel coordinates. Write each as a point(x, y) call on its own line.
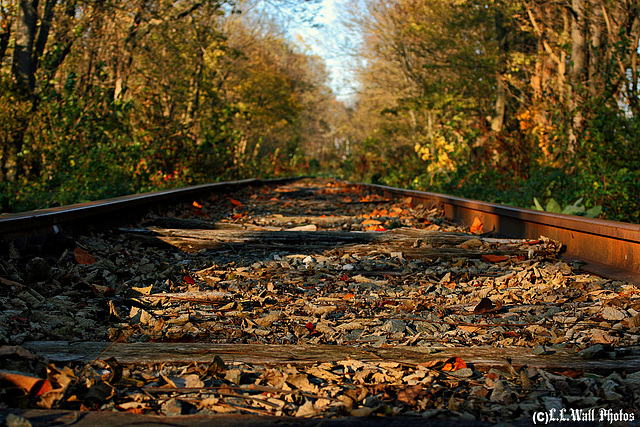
point(197, 105)
point(574, 209)
point(493, 110)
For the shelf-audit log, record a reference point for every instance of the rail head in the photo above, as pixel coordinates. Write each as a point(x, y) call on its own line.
point(610, 248)
point(69, 215)
point(596, 226)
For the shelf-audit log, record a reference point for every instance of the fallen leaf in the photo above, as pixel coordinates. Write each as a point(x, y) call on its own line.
point(610, 313)
point(8, 282)
point(486, 306)
point(310, 227)
point(236, 203)
point(189, 280)
point(453, 364)
point(450, 364)
point(144, 291)
point(476, 227)
point(347, 296)
point(494, 258)
point(571, 373)
point(116, 371)
point(197, 205)
point(312, 329)
point(469, 329)
point(83, 257)
point(216, 367)
point(32, 385)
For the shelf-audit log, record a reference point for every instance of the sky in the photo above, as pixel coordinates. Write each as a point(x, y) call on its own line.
point(327, 40)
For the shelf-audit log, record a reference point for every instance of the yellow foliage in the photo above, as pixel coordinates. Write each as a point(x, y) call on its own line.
point(438, 153)
point(534, 123)
point(423, 151)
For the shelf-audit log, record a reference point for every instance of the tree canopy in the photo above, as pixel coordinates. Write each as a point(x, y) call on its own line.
point(499, 100)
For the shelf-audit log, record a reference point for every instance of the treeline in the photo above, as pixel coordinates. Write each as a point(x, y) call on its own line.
point(501, 100)
point(497, 100)
point(103, 98)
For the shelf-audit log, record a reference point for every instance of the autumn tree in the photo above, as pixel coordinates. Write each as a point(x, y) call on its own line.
point(526, 93)
point(108, 98)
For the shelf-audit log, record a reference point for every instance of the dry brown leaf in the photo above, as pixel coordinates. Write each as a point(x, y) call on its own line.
point(83, 257)
point(487, 306)
point(494, 258)
point(8, 282)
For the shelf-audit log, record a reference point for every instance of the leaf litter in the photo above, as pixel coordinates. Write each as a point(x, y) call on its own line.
point(396, 293)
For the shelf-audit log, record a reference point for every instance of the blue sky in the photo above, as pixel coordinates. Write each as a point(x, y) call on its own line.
point(328, 41)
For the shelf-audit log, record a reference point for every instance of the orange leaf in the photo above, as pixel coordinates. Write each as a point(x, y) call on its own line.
point(189, 280)
point(453, 364)
point(349, 295)
point(237, 216)
point(236, 203)
point(494, 258)
point(196, 205)
point(83, 257)
point(450, 364)
point(476, 227)
point(33, 385)
point(371, 222)
point(375, 228)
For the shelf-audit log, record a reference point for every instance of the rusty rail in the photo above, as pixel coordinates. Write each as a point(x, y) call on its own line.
point(611, 249)
point(112, 210)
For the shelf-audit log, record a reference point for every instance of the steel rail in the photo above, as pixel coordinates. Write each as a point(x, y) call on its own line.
point(112, 210)
point(610, 249)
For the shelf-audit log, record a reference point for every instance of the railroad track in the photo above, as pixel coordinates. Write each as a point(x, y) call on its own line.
point(315, 301)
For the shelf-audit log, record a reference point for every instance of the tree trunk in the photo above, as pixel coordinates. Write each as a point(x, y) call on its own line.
point(23, 71)
point(194, 90)
point(5, 35)
point(26, 25)
point(578, 42)
point(501, 89)
point(500, 107)
point(43, 32)
point(596, 26)
point(578, 68)
point(634, 90)
point(130, 43)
